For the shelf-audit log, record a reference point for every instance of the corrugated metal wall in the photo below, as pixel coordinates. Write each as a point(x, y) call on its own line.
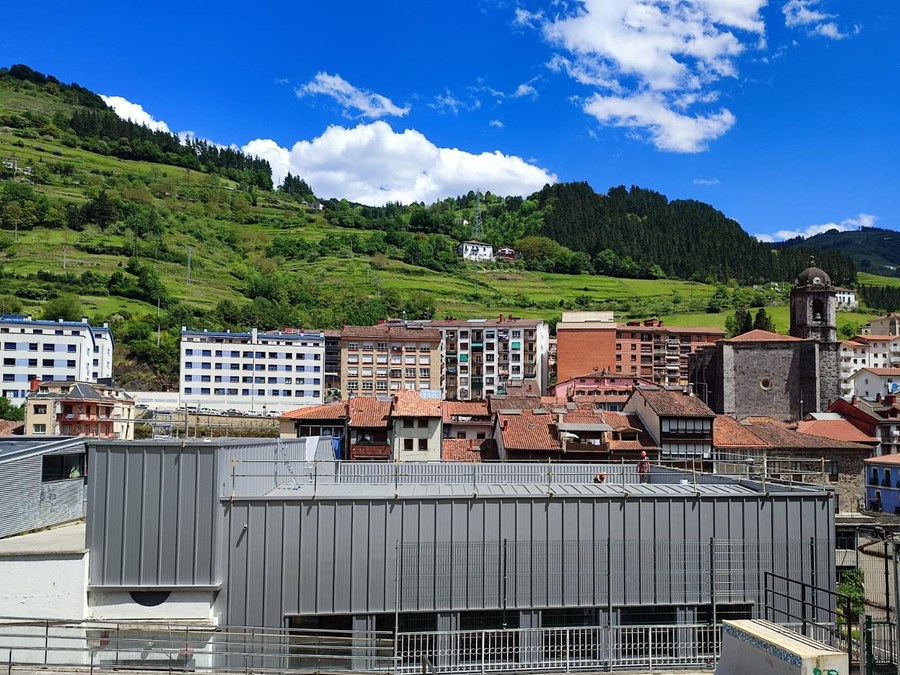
point(152, 515)
point(156, 518)
point(26, 503)
point(312, 557)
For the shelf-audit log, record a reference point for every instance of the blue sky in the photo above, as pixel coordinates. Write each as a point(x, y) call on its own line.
point(780, 113)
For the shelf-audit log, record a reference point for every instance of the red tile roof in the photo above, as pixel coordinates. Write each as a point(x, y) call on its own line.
point(882, 372)
point(464, 409)
point(780, 437)
point(674, 403)
point(328, 411)
point(369, 412)
point(729, 433)
point(528, 430)
point(763, 336)
point(461, 450)
point(839, 430)
point(884, 459)
point(385, 331)
point(410, 404)
point(8, 428)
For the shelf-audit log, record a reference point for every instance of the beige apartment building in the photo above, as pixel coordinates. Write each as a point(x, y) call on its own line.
point(80, 409)
point(388, 358)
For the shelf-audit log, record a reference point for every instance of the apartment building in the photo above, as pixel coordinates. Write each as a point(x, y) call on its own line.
point(49, 351)
point(592, 341)
point(483, 357)
point(866, 351)
point(658, 352)
point(79, 409)
point(332, 364)
point(388, 358)
point(257, 371)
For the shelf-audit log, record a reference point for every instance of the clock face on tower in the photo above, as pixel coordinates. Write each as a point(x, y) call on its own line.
point(817, 281)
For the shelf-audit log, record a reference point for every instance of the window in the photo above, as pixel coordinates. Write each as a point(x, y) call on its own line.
point(408, 422)
point(39, 428)
point(72, 348)
point(61, 467)
point(47, 363)
point(423, 444)
point(407, 444)
point(49, 347)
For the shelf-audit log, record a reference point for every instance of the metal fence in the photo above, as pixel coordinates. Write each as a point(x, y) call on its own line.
point(560, 649)
point(88, 645)
point(201, 648)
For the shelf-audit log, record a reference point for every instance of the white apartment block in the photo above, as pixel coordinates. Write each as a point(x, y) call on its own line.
point(260, 371)
point(867, 351)
point(494, 356)
point(65, 351)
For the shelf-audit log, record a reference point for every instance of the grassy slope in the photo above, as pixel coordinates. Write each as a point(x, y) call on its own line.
point(217, 270)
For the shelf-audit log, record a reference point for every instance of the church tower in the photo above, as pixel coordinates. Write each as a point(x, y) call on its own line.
point(814, 315)
point(814, 305)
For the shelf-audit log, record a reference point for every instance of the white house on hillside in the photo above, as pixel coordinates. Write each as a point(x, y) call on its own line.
point(476, 250)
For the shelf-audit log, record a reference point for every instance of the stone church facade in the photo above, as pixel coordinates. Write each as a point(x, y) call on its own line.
point(780, 376)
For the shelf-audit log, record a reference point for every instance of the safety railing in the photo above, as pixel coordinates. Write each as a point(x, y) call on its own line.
point(560, 649)
point(195, 648)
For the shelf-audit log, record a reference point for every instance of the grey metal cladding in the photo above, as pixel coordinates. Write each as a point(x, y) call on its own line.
point(27, 503)
point(153, 515)
point(323, 556)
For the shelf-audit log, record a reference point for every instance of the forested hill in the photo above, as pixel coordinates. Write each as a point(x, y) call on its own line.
point(872, 249)
point(639, 232)
point(82, 119)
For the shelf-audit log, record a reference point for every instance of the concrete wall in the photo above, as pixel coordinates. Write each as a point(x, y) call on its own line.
point(47, 585)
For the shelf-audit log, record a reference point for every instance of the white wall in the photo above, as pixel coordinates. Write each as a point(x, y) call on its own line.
point(118, 606)
point(45, 586)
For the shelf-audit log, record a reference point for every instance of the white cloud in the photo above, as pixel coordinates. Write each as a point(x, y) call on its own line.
point(706, 181)
point(373, 164)
point(807, 14)
point(449, 102)
point(524, 89)
point(367, 103)
point(525, 18)
point(668, 130)
point(846, 225)
point(496, 123)
point(134, 112)
point(665, 56)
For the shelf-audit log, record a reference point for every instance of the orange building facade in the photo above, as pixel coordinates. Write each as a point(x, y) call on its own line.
point(648, 349)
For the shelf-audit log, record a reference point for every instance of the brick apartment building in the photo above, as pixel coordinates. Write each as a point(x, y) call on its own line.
point(648, 349)
point(388, 358)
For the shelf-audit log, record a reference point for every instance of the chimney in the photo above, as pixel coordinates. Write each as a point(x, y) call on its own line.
point(853, 400)
point(878, 396)
point(504, 424)
point(890, 399)
point(34, 384)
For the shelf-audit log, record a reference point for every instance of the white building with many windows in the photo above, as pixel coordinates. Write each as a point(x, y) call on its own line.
point(266, 372)
point(41, 350)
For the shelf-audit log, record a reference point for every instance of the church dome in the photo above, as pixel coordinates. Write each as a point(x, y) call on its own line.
point(813, 276)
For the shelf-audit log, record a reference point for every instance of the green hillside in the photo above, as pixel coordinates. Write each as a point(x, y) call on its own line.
point(90, 226)
point(873, 250)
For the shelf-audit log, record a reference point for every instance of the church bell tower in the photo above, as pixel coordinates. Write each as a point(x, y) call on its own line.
point(814, 305)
